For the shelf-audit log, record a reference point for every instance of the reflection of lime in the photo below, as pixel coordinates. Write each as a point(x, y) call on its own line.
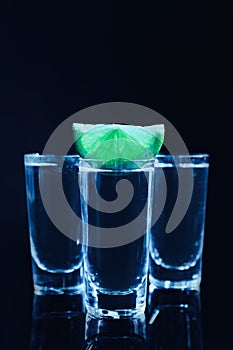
point(117, 142)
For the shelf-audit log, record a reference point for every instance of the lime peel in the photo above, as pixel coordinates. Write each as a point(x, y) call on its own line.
point(115, 143)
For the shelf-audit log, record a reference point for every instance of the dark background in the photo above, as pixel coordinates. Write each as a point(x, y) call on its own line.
point(56, 59)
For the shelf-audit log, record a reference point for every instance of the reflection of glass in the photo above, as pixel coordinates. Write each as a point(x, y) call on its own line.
point(176, 257)
point(174, 320)
point(106, 334)
point(56, 259)
point(116, 275)
point(58, 322)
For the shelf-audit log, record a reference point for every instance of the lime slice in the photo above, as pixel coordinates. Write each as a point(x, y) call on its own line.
point(117, 143)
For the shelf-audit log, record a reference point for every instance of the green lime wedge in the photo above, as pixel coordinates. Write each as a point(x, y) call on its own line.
point(115, 143)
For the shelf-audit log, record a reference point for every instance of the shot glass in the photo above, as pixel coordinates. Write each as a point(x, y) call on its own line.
point(56, 258)
point(116, 214)
point(180, 186)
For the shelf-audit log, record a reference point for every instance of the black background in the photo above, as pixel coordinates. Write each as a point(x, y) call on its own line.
point(57, 58)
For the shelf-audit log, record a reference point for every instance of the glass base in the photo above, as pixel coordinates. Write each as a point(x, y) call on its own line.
point(48, 283)
point(173, 278)
point(167, 284)
point(42, 290)
point(115, 305)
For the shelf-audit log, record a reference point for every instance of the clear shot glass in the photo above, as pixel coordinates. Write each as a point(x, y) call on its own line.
point(116, 205)
point(177, 237)
point(57, 258)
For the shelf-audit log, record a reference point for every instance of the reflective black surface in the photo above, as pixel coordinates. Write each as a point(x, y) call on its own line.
point(57, 323)
point(173, 320)
point(103, 334)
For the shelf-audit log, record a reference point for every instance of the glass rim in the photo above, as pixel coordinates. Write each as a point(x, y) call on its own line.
point(49, 155)
point(50, 159)
point(97, 165)
point(185, 156)
point(191, 160)
point(121, 159)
